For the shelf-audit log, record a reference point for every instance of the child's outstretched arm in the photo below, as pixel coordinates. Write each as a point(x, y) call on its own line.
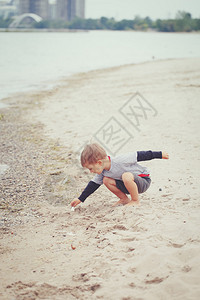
point(90, 188)
point(148, 155)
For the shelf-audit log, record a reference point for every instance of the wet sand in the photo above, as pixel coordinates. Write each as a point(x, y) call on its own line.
point(97, 251)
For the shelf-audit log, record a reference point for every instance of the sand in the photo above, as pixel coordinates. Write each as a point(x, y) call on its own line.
point(97, 251)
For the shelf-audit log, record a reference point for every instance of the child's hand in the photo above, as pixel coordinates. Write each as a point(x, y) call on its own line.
point(75, 202)
point(165, 155)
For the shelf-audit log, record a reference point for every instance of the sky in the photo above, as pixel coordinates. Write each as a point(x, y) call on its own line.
point(128, 9)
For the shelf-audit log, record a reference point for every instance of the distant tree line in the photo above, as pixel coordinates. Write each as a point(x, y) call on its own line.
point(183, 22)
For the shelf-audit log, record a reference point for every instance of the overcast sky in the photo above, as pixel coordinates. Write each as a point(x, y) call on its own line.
point(127, 9)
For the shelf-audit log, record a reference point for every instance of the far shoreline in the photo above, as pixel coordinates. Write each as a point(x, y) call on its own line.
point(41, 30)
point(84, 30)
point(49, 86)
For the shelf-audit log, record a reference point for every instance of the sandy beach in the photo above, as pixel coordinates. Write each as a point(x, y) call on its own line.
point(97, 251)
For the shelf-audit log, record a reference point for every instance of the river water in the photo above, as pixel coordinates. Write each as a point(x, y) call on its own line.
point(38, 60)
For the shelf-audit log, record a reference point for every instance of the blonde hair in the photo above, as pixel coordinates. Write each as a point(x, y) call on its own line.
point(92, 153)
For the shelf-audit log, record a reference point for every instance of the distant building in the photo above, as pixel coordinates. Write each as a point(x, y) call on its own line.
point(70, 9)
point(77, 9)
point(7, 11)
point(38, 7)
point(23, 6)
point(7, 8)
point(63, 9)
point(52, 10)
point(4, 2)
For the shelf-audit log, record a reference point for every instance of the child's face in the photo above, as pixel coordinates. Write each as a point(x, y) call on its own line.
point(96, 168)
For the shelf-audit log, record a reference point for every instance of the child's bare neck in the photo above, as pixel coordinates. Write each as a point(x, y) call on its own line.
point(107, 163)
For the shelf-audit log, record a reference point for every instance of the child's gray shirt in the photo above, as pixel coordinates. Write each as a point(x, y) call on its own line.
point(121, 164)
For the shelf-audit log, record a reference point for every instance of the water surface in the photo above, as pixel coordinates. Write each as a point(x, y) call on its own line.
point(38, 60)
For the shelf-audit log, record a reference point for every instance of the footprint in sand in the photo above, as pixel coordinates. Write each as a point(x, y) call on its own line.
point(155, 280)
point(175, 245)
point(132, 270)
point(120, 227)
point(186, 269)
point(40, 291)
point(81, 277)
point(128, 240)
point(85, 277)
point(166, 195)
